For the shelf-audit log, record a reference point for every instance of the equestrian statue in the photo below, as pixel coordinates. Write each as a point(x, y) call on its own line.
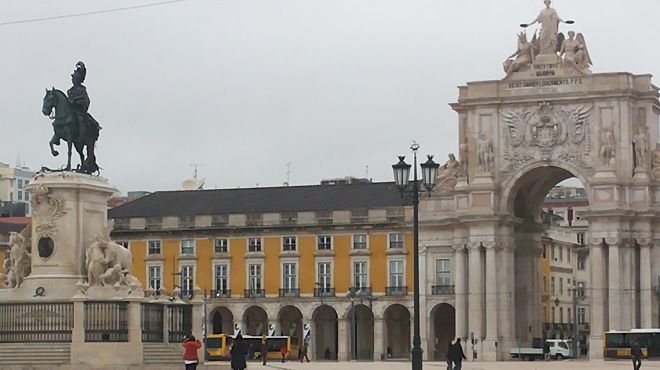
point(72, 123)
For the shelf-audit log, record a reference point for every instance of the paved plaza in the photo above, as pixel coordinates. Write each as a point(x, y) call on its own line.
point(509, 365)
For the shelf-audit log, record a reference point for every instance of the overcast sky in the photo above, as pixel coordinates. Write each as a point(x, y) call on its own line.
point(244, 87)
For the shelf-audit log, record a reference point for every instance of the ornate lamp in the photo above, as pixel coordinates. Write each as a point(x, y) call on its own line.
point(429, 173)
point(401, 173)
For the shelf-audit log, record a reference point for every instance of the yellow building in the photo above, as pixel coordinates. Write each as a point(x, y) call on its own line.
point(334, 260)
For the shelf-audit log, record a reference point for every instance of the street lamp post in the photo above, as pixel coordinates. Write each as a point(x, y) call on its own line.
point(401, 174)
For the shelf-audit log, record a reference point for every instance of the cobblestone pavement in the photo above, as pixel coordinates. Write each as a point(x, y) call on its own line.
point(510, 365)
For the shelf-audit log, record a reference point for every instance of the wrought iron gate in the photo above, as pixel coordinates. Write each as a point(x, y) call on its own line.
point(152, 322)
point(180, 322)
point(36, 322)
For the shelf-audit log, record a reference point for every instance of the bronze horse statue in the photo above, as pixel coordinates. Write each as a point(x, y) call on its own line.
point(71, 127)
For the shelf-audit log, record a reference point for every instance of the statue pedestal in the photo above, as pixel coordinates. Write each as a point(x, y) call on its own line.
point(69, 210)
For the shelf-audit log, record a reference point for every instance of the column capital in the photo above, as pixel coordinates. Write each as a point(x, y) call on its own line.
point(459, 247)
point(595, 242)
point(656, 244)
point(645, 242)
point(473, 245)
point(490, 244)
point(617, 241)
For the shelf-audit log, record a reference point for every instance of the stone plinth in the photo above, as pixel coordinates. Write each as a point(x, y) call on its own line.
point(69, 210)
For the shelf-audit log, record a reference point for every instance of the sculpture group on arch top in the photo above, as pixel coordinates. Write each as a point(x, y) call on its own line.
point(542, 131)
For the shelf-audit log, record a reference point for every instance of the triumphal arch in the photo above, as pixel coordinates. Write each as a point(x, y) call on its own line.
point(549, 119)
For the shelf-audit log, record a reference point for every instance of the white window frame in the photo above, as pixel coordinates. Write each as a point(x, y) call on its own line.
point(182, 286)
point(261, 277)
point(194, 246)
point(215, 245)
point(227, 276)
point(354, 262)
point(366, 241)
point(296, 279)
point(390, 274)
point(260, 244)
point(318, 242)
point(402, 241)
point(318, 274)
point(289, 243)
point(160, 277)
point(160, 247)
point(444, 273)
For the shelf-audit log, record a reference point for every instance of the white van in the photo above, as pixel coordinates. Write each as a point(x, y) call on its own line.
point(559, 348)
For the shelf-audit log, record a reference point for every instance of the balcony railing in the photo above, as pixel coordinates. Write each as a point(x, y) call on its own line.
point(290, 292)
point(222, 293)
point(255, 293)
point(186, 294)
point(396, 290)
point(442, 289)
point(324, 292)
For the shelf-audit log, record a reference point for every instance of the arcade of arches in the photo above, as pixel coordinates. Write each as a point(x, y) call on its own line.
point(383, 330)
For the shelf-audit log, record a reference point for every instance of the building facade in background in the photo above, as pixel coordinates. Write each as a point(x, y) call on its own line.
point(14, 200)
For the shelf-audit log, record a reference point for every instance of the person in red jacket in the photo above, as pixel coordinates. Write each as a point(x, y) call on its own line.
point(191, 345)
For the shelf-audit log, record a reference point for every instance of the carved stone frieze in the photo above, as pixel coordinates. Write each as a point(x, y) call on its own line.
point(547, 132)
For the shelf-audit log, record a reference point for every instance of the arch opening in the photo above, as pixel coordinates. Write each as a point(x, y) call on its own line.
point(325, 332)
point(397, 331)
point(255, 321)
point(443, 327)
point(222, 321)
point(550, 253)
point(361, 335)
point(290, 321)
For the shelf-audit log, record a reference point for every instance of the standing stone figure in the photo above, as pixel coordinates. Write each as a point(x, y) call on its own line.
point(549, 37)
point(641, 146)
point(607, 151)
point(485, 153)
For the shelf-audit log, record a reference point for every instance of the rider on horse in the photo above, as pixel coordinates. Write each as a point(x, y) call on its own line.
point(79, 101)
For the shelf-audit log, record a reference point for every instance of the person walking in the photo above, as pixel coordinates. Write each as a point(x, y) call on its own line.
point(458, 354)
point(238, 352)
point(190, 346)
point(263, 350)
point(303, 353)
point(283, 352)
point(636, 354)
point(451, 354)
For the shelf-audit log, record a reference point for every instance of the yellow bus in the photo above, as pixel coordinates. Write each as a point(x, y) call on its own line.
point(616, 344)
point(219, 345)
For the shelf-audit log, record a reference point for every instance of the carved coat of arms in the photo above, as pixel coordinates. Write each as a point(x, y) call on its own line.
point(545, 133)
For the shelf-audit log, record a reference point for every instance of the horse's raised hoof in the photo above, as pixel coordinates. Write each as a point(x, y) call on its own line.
point(55, 153)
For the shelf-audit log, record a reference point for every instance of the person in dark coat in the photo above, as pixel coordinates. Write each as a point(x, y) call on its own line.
point(451, 354)
point(238, 352)
point(636, 354)
point(458, 355)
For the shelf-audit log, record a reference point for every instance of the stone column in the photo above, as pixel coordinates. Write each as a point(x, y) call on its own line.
point(166, 322)
point(343, 344)
point(135, 322)
point(597, 316)
point(506, 298)
point(78, 330)
point(645, 285)
point(614, 284)
point(490, 343)
point(460, 292)
point(379, 338)
point(197, 315)
point(475, 313)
